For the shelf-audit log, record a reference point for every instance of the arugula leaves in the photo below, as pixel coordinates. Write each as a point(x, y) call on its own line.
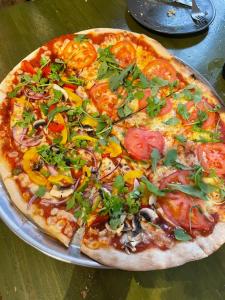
point(197, 176)
point(117, 80)
point(124, 111)
point(181, 138)
point(27, 119)
point(108, 64)
point(119, 184)
point(189, 190)
point(170, 157)
point(57, 97)
point(155, 104)
point(74, 80)
point(181, 235)
point(78, 200)
point(57, 110)
point(190, 92)
point(80, 38)
point(155, 157)
point(182, 110)
point(152, 188)
point(133, 205)
point(113, 205)
point(171, 160)
point(172, 121)
point(41, 191)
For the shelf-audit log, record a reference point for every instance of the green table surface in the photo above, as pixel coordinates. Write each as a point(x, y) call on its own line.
point(26, 273)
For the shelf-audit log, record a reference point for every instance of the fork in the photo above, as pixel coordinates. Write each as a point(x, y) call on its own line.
point(197, 15)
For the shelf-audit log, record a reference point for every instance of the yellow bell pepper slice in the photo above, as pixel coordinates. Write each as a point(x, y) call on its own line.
point(89, 121)
point(85, 178)
point(131, 175)
point(59, 119)
point(30, 157)
point(74, 97)
point(60, 179)
point(84, 138)
point(113, 149)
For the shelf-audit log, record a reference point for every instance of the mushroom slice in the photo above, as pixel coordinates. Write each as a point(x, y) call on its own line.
point(148, 214)
point(61, 192)
point(38, 123)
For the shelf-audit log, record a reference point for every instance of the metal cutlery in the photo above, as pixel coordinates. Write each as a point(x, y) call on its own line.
point(197, 15)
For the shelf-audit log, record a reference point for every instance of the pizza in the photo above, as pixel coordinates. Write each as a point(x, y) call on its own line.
point(104, 132)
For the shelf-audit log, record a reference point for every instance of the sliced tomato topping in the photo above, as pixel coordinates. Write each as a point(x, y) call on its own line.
point(79, 55)
point(222, 130)
point(195, 108)
point(70, 86)
point(46, 71)
point(160, 68)
point(140, 142)
point(56, 127)
point(143, 102)
point(176, 177)
point(166, 108)
point(27, 67)
point(124, 52)
point(104, 99)
point(184, 211)
point(212, 156)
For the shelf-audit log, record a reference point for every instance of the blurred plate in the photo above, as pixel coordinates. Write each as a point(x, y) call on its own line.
point(32, 235)
point(153, 14)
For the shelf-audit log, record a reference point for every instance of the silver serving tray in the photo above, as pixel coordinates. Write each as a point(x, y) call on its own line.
point(32, 235)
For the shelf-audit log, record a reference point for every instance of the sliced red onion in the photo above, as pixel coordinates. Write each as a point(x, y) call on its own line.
point(75, 186)
point(19, 137)
point(136, 183)
point(30, 142)
point(19, 133)
point(52, 170)
point(116, 167)
point(31, 201)
point(52, 202)
point(35, 96)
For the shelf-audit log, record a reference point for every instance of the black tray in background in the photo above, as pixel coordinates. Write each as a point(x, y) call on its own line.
point(153, 14)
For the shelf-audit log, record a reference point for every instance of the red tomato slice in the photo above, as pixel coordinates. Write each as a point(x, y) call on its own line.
point(27, 67)
point(80, 55)
point(212, 156)
point(70, 86)
point(104, 99)
point(140, 142)
point(160, 68)
point(182, 211)
point(176, 177)
point(222, 130)
point(193, 109)
point(166, 108)
point(143, 102)
point(56, 127)
point(46, 71)
point(125, 52)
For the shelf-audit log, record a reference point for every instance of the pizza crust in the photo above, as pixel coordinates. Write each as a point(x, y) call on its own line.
point(17, 199)
point(154, 258)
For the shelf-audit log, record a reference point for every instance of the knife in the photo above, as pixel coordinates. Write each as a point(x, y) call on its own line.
point(183, 2)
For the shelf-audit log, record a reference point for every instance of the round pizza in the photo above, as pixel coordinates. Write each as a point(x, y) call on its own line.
point(106, 133)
